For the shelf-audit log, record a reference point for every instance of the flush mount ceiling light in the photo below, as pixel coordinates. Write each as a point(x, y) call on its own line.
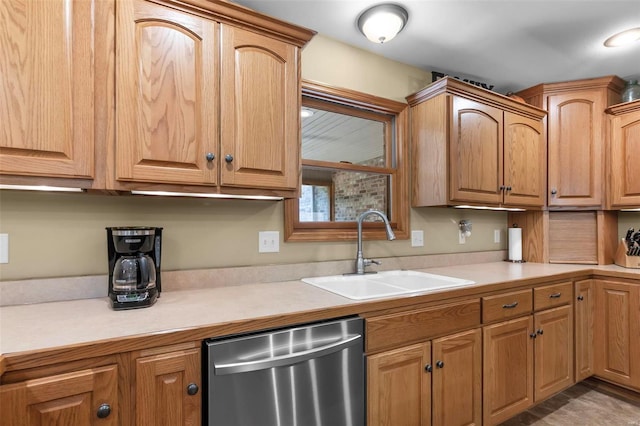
point(382, 22)
point(306, 112)
point(623, 38)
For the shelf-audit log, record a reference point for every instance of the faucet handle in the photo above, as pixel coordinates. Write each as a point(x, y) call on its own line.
point(368, 262)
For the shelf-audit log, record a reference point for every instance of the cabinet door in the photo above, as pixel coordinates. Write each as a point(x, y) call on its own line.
point(624, 154)
point(165, 392)
point(584, 316)
point(46, 87)
point(525, 161)
point(507, 369)
point(260, 111)
point(87, 397)
point(399, 388)
point(166, 95)
point(457, 379)
point(553, 351)
point(575, 143)
point(617, 332)
point(475, 152)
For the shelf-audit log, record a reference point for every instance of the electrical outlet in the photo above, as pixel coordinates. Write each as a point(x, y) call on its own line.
point(496, 236)
point(462, 239)
point(417, 238)
point(4, 248)
point(268, 242)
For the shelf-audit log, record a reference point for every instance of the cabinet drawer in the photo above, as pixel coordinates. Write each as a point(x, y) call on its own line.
point(507, 305)
point(550, 296)
point(403, 328)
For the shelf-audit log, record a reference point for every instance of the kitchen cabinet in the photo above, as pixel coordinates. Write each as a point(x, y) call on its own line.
point(529, 358)
point(203, 105)
point(48, 117)
point(79, 398)
point(431, 383)
point(167, 389)
point(398, 387)
point(576, 137)
point(624, 148)
point(437, 380)
point(584, 322)
point(472, 146)
point(616, 332)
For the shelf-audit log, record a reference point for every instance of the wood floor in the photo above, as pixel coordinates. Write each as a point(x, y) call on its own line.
point(584, 404)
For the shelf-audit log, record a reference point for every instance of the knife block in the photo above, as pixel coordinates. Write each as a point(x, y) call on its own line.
point(621, 258)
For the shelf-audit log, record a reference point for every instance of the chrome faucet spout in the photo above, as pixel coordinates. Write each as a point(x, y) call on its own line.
point(361, 262)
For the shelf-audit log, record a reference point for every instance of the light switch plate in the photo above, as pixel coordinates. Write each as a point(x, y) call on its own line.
point(496, 235)
point(4, 248)
point(268, 242)
point(417, 238)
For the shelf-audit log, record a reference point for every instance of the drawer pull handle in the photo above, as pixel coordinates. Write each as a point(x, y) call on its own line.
point(555, 295)
point(510, 305)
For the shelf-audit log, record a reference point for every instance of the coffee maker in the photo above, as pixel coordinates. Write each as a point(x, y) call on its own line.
point(134, 266)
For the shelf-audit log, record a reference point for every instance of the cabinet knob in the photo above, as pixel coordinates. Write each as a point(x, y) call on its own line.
point(210, 156)
point(554, 191)
point(540, 331)
point(502, 187)
point(439, 364)
point(508, 188)
point(228, 158)
point(581, 298)
point(428, 368)
point(192, 389)
point(103, 411)
point(533, 335)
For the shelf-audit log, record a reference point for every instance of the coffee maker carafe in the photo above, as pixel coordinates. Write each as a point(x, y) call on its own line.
point(134, 266)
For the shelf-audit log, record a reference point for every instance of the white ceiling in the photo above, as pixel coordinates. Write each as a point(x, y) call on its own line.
point(511, 44)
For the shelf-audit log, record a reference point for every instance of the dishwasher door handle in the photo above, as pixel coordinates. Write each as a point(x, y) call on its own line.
point(289, 359)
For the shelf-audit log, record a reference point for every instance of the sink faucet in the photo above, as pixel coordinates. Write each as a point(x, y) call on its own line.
point(361, 262)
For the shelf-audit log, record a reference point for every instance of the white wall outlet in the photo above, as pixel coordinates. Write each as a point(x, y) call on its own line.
point(417, 238)
point(4, 248)
point(496, 235)
point(268, 242)
point(462, 239)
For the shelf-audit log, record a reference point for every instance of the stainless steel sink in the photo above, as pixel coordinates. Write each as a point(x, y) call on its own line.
point(384, 284)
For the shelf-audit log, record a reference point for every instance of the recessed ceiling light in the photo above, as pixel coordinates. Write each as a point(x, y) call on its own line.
point(382, 22)
point(306, 112)
point(623, 38)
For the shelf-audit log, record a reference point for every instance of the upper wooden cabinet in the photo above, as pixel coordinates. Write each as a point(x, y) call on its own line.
point(624, 147)
point(47, 77)
point(203, 105)
point(167, 114)
point(473, 146)
point(576, 137)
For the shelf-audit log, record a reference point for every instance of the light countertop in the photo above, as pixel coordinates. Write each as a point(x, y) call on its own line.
point(41, 327)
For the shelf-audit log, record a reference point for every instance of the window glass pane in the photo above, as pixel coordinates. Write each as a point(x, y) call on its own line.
point(342, 194)
point(336, 137)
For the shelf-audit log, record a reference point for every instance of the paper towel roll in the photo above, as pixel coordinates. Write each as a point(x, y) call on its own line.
point(515, 244)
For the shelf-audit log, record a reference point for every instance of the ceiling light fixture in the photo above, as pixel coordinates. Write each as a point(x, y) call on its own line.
point(382, 22)
point(623, 38)
point(306, 112)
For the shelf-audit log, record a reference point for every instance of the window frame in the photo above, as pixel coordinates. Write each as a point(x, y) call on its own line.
point(399, 200)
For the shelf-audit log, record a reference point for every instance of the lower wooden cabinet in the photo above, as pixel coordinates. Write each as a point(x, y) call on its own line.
point(617, 332)
point(508, 369)
point(526, 360)
point(430, 383)
point(584, 317)
point(167, 389)
point(80, 398)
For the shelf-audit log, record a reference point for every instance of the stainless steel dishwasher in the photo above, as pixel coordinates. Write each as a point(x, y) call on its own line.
point(312, 375)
